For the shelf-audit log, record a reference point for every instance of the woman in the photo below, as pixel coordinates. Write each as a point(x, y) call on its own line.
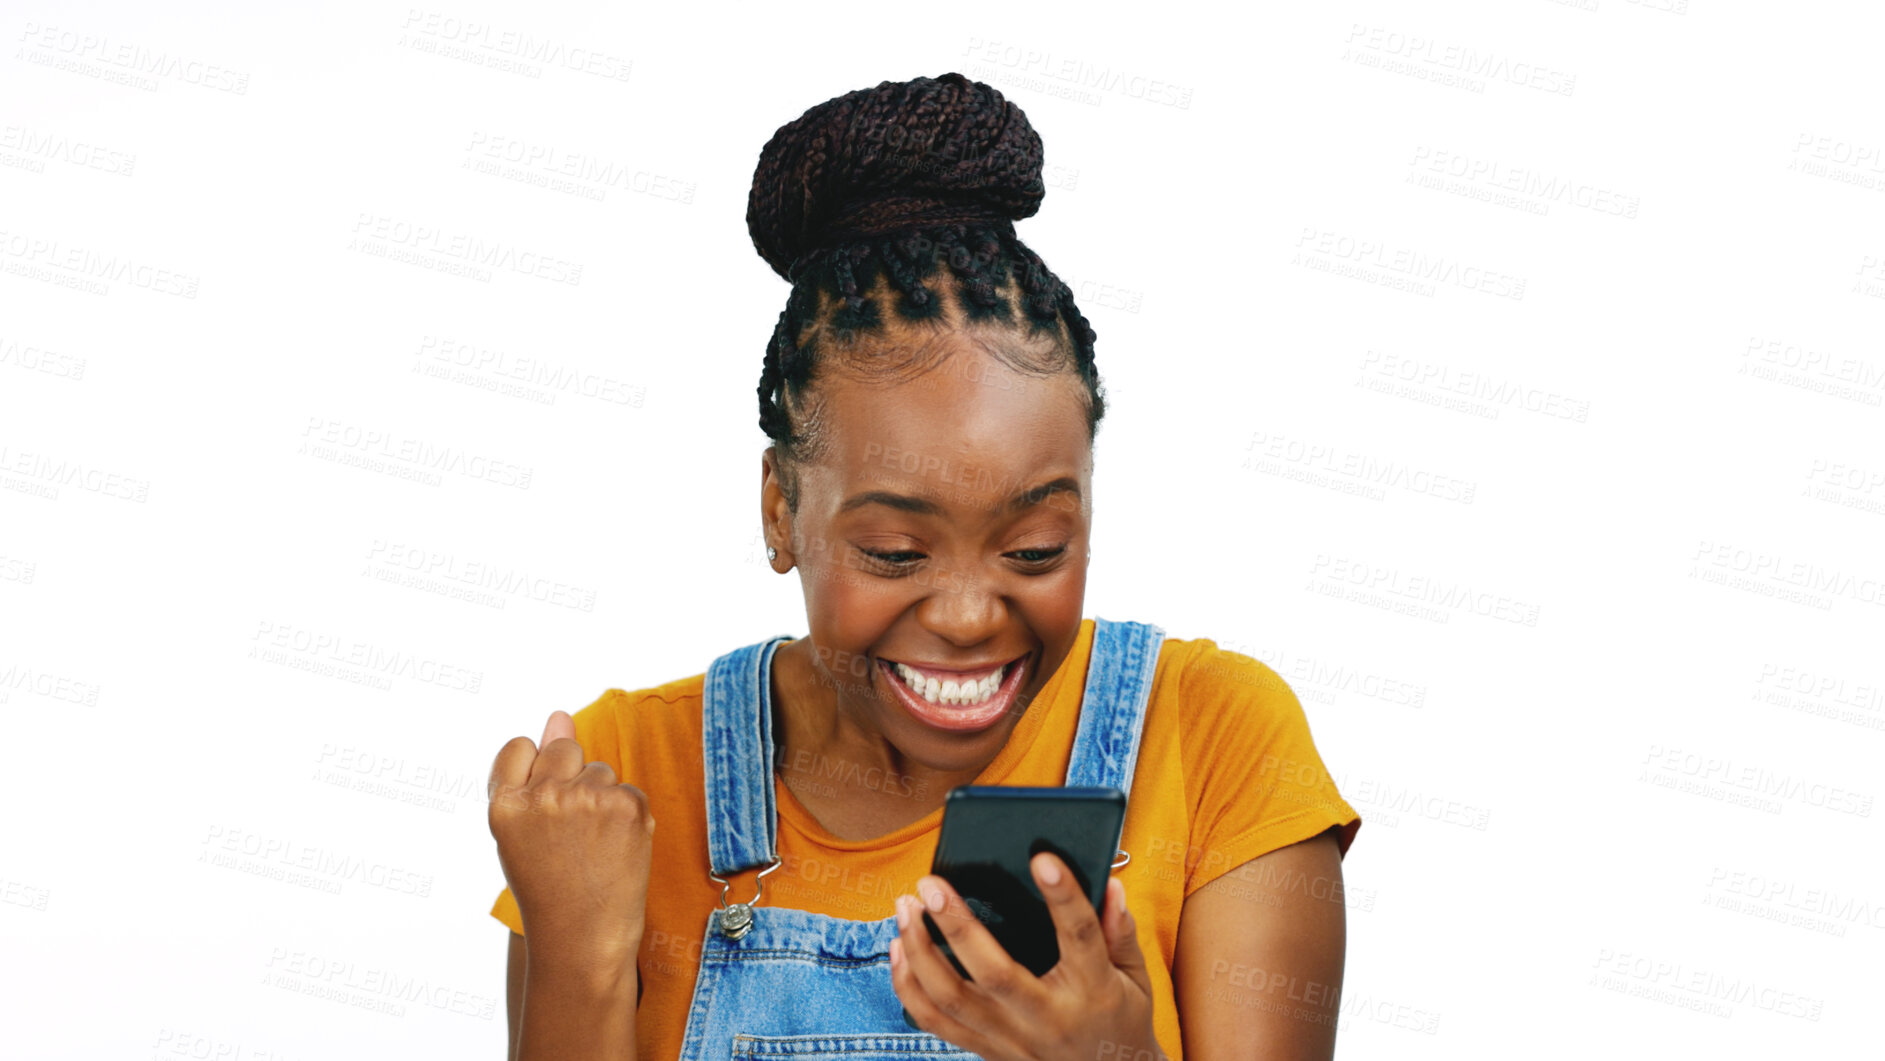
point(932, 401)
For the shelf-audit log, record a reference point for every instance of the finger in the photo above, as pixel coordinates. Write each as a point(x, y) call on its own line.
point(953, 996)
point(559, 757)
point(510, 769)
point(560, 724)
point(988, 962)
point(1115, 912)
point(1122, 936)
point(948, 1019)
point(640, 801)
point(923, 1011)
point(1076, 924)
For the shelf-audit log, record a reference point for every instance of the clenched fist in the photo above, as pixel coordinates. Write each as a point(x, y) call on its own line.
point(575, 845)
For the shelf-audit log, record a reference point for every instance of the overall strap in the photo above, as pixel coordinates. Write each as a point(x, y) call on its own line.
point(736, 751)
point(1112, 707)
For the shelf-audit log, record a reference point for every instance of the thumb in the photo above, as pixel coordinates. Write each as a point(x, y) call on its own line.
point(559, 725)
point(1122, 936)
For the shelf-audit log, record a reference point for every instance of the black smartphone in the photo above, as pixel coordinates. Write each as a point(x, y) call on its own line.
point(989, 832)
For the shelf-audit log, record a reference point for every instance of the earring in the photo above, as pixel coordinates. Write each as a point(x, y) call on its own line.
point(771, 553)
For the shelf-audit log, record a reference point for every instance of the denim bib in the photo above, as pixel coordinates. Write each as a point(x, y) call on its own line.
point(777, 982)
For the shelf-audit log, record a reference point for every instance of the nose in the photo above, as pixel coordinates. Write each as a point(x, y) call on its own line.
point(963, 609)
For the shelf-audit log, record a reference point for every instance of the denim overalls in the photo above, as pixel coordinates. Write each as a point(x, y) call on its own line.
point(777, 982)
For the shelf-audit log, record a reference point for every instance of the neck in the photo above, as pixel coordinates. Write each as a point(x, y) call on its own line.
point(837, 763)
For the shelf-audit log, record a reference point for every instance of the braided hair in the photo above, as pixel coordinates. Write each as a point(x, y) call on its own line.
point(897, 204)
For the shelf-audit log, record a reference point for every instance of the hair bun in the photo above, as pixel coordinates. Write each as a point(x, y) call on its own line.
point(929, 151)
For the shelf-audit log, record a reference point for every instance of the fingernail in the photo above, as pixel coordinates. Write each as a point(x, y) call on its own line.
point(932, 896)
point(1050, 873)
point(903, 915)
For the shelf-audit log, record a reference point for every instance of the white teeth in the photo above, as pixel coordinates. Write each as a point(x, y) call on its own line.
point(951, 691)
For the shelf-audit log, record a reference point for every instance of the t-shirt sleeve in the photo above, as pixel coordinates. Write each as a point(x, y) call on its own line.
point(505, 910)
point(597, 732)
point(1253, 776)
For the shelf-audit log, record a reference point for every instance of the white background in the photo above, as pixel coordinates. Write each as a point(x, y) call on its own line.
point(1508, 376)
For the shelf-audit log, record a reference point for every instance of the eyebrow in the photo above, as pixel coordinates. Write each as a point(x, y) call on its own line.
point(923, 506)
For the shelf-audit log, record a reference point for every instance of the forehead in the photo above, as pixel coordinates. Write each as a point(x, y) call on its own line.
point(950, 421)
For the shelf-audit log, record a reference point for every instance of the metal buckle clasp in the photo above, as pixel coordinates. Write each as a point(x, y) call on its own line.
point(736, 919)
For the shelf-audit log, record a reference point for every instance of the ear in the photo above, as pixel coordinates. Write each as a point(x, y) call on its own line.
point(775, 516)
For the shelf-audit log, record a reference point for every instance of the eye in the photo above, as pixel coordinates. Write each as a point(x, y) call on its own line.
point(1038, 557)
point(901, 559)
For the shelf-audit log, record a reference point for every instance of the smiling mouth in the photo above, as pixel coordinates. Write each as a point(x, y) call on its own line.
point(957, 705)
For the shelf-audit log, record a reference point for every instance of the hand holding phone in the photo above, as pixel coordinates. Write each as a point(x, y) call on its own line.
point(991, 833)
point(985, 857)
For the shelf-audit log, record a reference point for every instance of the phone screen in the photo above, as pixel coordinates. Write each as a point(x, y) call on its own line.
point(989, 832)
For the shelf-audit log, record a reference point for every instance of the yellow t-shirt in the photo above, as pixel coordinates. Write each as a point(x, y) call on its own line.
point(1227, 771)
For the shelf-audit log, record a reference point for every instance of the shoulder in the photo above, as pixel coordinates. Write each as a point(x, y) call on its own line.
point(658, 705)
point(660, 716)
point(1253, 771)
point(1205, 675)
point(1231, 710)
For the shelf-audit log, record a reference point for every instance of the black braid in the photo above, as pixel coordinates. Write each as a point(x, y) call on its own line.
point(904, 194)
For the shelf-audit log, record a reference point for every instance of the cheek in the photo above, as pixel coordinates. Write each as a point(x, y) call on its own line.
point(848, 608)
point(1056, 603)
point(846, 621)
